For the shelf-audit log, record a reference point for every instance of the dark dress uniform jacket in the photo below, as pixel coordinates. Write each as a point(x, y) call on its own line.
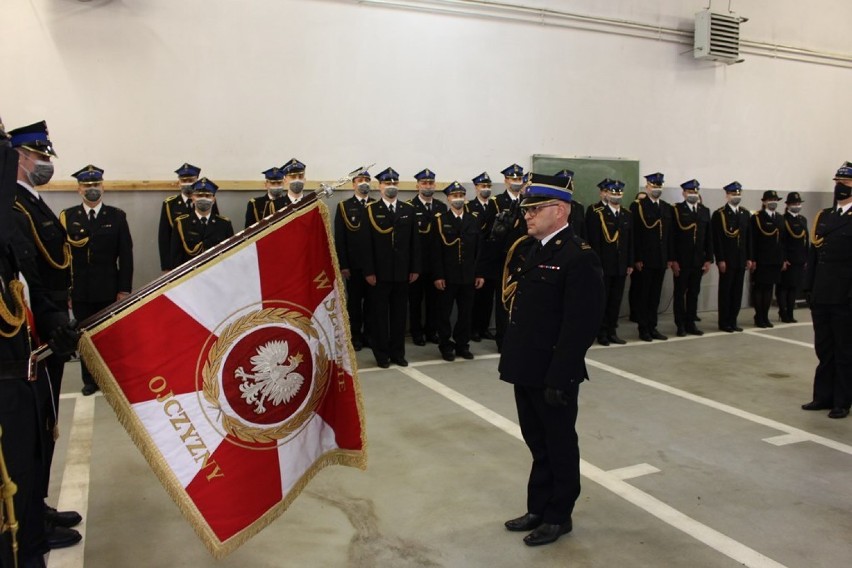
point(263, 206)
point(578, 219)
point(350, 221)
point(190, 237)
point(424, 226)
point(556, 301)
point(767, 238)
point(102, 253)
point(731, 238)
point(615, 256)
point(691, 242)
point(652, 226)
point(391, 244)
point(829, 272)
point(796, 240)
point(485, 213)
point(173, 207)
point(455, 248)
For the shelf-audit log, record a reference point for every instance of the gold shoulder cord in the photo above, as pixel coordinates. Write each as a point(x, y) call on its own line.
point(816, 240)
point(15, 319)
point(657, 223)
point(607, 237)
point(349, 225)
point(373, 221)
point(80, 243)
point(728, 233)
point(693, 227)
point(194, 250)
point(444, 239)
point(254, 209)
point(66, 248)
point(800, 235)
point(775, 233)
point(268, 206)
point(508, 289)
point(169, 210)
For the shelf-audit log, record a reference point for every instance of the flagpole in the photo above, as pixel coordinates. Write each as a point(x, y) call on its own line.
point(325, 191)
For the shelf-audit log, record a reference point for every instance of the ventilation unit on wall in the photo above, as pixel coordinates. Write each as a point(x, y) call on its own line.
point(717, 36)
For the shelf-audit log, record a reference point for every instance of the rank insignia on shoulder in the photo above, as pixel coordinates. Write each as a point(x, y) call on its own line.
point(585, 246)
point(549, 267)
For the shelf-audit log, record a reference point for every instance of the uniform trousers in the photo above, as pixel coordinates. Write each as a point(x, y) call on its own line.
point(49, 388)
point(730, 297)
point(788, 289)
point(648, 297)
point(613, 290)
point(763, 280)
point(687, 285)
point(483, 304)
point(83, 311)
point(423, 291)
point(833, 346)
point(388, 306)
point(550, 434)
point(455, 337)
point(357, 303)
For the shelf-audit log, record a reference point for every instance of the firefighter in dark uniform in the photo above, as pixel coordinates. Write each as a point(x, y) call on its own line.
point(610, 233)
point(692, 254)
point(730, 227)
point(578, 212)
point(294, 180)
point(455, 247)
point(592, 211)
point(829, 286)
point(44, 256)
point(652, 226)
point(349, 223)
point(201, 229)
point(422, 295)
point(767, 246)
point(22, 412)
point(273, 200)
point(102, 253)
point(485, 206)
point(554, 294)
point(796, 244)
point(173, 207)
point(391, 262)
point(509, 226)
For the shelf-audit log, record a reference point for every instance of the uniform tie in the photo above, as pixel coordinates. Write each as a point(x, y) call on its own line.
point(91, 215)
point(204, 221)
point(391, 209)
point(428, 208)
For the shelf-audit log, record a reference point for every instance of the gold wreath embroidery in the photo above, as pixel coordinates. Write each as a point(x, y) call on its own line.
point(210, 372)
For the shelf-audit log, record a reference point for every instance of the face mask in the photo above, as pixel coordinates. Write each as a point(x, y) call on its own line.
point(794, 208)
point(296, 186)
point(186, 189)
point(203, 205)
point(427, 192)
point(457, 203)
point(391, 191)
point(842, 192)
point(656, 193)
point(772, 205)
point(516, 186)
point(41, 174)
point(615, 200)
point(692, 199)
point(364, 188)
point(93, 194)
point(276, 191)
point(485, 193)
point(735, 201)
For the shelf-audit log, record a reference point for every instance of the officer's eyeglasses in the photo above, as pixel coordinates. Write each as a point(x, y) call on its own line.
point(534, 210)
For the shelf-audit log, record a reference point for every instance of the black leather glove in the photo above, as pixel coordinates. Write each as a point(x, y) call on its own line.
point(555, 397)
point(63, 340)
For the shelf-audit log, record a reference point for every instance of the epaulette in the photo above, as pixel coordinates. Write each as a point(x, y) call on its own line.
point(580, 242)
point(171, 198)
point(222, 217)
point(181, 217)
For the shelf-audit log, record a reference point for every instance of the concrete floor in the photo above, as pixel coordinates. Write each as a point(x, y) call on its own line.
point(695, 453)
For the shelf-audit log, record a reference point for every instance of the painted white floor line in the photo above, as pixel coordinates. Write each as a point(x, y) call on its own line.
point(712, 538)
point(74, 490)
point(763, 334)
point(802, 435)
point(633, 471)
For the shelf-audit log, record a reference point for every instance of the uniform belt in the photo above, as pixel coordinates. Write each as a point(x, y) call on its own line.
point(10, 370)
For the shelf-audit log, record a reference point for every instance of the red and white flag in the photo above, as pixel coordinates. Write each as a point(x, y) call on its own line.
point(237, 380)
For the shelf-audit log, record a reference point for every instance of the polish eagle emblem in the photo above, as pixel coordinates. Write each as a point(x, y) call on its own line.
point(273, 378)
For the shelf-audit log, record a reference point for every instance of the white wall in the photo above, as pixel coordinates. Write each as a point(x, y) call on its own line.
point(139, 86)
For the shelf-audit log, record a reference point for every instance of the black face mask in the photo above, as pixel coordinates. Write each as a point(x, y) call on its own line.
point(842, 192)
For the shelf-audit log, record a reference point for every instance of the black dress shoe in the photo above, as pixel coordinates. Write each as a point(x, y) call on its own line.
point(418, 340)
point(466, 354)
point(434, 339)
point(768, 323)
point(61, 537)
point(357, 345)
point(65, 519)
point(89, 390)
point(645, 336)
point(475, 337)
point(838, 412)
point(680, 332)
point(760, 324)
point(383, 364)
point(615, 339)
point(547, 533)
point(737, 328)
point(487, 335)
point(448, 356)
point(657, 335)
point(814, 405)
point(524, 523)
point(792, 320)
point(697, 318)
point(692, 330)
point(399, 361)
point(603, 340)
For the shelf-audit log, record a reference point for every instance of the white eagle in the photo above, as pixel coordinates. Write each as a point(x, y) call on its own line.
point(273, 379)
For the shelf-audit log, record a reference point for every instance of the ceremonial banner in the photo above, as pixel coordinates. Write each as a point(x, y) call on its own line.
point(237, 379)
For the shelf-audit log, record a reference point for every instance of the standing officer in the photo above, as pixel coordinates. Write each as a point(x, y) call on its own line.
point(731, 245)
point(652, 225)
point(45, 257)
point(455, 252)
point(578, 212)
point(554, 295)
point(422, 291)
point(101, 251)
point(201, 229)
point(692, 254)
point(273, 200)
point(294, 180)
point(391, 262)
point(610, 232)
point(485, 206)
point(829, 283)
point(173, 207)
point(767, 246)
point(349, 223)
point(796, 243)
